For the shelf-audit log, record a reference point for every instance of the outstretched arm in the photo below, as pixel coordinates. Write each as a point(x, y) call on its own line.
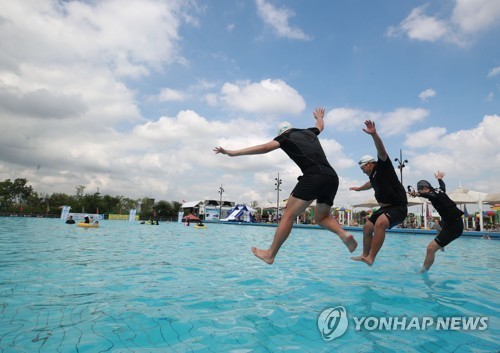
point(319, 114)
point(259, 149)
point(365, 186)
point(371, 130)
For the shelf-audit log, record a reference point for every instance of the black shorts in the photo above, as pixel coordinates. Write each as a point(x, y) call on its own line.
point(451, 230)
point(395, 214)
point(319, 187)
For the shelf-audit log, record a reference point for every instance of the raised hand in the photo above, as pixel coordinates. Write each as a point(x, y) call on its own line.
point(439, 175)
point(319, 113)
point(370, 127)
point(220, 150)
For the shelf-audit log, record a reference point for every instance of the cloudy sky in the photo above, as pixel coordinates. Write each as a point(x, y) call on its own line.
point(130, 97)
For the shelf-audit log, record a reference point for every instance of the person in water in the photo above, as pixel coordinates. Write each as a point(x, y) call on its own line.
point(389, 193)
point(318, 182)
point(451, 217)
point(86, 219)
point(70, 220)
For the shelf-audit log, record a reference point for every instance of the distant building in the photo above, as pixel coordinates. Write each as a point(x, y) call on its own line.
point(208, 209)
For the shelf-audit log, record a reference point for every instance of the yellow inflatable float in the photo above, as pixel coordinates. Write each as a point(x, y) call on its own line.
point(88, 225)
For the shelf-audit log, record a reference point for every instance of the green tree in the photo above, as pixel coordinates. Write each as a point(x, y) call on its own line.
point(16, 193)
point(57, 200)
point(127, 204)
point(6, 197)
point(79, 195)
point(147, 207)
point(110, 204)
point(163, 209)
point(91, 202)
point(176, 206)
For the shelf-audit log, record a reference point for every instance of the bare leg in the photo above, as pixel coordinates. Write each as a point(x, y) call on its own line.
point(367, 241)
point(294, 207)
point(325, 220)
point(432, 248)
point(381, 225)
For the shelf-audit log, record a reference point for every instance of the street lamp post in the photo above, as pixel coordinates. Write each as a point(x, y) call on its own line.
point(277, 184)
point(401, 164)
point(221, 191)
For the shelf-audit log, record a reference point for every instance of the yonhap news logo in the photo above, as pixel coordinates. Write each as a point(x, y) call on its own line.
point(333, 323)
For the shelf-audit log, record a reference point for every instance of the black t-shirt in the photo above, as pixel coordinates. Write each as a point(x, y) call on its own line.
point(303, 147)
point(385, 182)
point(445, 206)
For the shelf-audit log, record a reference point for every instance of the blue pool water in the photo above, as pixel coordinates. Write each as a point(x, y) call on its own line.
point(127, 287)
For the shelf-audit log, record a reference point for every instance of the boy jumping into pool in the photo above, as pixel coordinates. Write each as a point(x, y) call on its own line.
point(320, 182)
point(389, 193)
point(451, 223)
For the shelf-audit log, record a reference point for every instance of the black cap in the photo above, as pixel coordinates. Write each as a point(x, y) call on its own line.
point(424, 184)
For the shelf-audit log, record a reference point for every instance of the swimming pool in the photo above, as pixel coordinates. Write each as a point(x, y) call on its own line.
point(127, 287)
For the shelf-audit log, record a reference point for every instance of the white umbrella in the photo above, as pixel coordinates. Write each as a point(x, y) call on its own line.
point(462, 196)
point(371, 202)
point(492, 199)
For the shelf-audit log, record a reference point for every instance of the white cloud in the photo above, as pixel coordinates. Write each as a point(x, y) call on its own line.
point(494, 72)
point(179, 149)
point(426, 94)
point(269, 97)
point(462, 154)
point(420, 26)
point(62, 103)
point(349, 119)
point(476, 15)
point(400, 120)
point(425, 138)
point(278, 19)
point(388, 123)
point(211, 99)
point(171, 95)
point(468, 17)
point(87, 49)
point(334, 151)
point(129, 39)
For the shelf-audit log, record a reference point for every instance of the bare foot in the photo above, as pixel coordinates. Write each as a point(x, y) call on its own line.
point(358, 258)
point(263, 255)
point(368, 261)
point(350, 242)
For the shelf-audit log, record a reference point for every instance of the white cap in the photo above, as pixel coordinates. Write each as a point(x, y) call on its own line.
point(366, 159)
point(284, 126)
